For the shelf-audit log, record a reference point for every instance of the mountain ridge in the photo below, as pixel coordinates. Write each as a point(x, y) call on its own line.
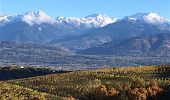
point(152, 45)
point(39, 17)
point(78, 33)
point(117, 31)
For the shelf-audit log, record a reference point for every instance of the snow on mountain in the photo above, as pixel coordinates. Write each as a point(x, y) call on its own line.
point(37, 17)
point(95, 20)
point(30, 18)
point(3, 18)
point(153, 18)
point(100, 20)
point(69, 20)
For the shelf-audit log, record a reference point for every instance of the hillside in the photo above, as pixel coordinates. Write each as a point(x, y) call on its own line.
point(8, 91)
point(126, 28)
point(142, 82)
point(152, 45)
point(15, 92)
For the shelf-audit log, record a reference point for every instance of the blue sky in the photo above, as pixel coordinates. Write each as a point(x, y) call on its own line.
point(81, 8)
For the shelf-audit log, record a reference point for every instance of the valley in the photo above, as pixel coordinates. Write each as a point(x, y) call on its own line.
point(139, 39)
point(31, 54)
point(96, 57)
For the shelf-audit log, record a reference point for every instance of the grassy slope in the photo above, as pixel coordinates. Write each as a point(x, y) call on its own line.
point(14, 92)
point(80, 84)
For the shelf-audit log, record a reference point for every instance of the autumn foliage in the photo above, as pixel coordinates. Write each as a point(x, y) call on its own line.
point(131, 83)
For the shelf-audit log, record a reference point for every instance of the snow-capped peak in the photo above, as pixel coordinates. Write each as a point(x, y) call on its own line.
point(37, 17)
point(3, 18)
point(153, 18)
point(101, 20)
point(95, 20)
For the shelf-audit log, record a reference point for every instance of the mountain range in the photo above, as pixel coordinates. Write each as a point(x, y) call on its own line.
point(128, 27)
point(145, 45)
point(40, 28)
point(78, 34)
point(40, 17)
point(82, 43)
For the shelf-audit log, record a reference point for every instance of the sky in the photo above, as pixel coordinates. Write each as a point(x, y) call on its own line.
point(82, 8)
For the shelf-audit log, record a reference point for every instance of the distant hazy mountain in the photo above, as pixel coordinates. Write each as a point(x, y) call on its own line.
point(40, 28)
point(19, 52)
point(152, 45)
point(128, 27)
